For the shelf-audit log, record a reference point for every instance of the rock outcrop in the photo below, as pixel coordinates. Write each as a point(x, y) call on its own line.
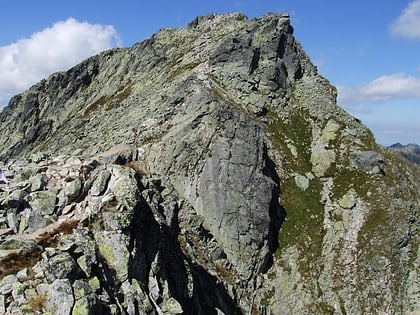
point(206, 170)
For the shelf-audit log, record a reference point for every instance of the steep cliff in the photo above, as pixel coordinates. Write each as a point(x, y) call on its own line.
point(206, 170)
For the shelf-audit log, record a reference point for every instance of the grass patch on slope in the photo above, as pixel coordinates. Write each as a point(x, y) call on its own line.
point(296, 131)
point(303, 225)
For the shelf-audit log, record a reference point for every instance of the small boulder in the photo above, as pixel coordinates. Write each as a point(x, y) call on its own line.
point(60, 297)
point(368, 161)
point(38, 182)
point(44, 202)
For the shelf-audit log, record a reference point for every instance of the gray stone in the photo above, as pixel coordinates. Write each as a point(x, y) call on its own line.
point(369, 161)
point(72, 190)
point(60, 297)
point(302, 182)
point(38, 182)
point(6, 284)
point(23, 274)
point(63, 266)
point(44, 202)
point(100, 184)
point(2, 304)
point(16, 199)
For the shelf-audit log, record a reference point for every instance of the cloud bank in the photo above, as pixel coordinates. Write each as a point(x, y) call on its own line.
point(53, 49)
point(407, 25)
point(381, 89)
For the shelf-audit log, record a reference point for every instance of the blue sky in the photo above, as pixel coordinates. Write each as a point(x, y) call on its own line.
point(370, 49)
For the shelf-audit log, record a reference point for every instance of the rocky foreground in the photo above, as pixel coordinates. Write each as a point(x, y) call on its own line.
point(206, 170)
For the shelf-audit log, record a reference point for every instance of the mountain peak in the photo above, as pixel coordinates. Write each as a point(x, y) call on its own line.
point(410, 151)
point(207, 169)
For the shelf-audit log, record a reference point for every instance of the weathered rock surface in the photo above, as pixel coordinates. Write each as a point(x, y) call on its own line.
point(207, 170)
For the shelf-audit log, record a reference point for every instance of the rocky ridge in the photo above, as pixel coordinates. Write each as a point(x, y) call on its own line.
point(206, 170)
point(410, 151)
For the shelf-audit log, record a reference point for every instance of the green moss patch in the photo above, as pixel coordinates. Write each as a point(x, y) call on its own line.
point(182, 69)
point(108, 102)
point(297, 131)
point(347, 178)
point(303, 226)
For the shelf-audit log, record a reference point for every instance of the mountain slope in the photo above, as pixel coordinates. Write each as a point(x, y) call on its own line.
point(206, 170)
point(410, 151)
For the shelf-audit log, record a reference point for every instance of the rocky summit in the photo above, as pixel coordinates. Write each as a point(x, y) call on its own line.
point(206, 170)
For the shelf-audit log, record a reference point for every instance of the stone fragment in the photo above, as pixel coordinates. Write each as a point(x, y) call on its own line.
point(349, 200)
point(112, 246)
point(25, 216)
point(23, 274)
point(63, 266)
point(292, 149)
point(72, 190)
point(60, 297)
point(44, 202)
point(100, 184)
point(12, 220)
point(38, 182)
point(172, 306)
point(368, 161)
point(17, 199)
point(6, 284)
point(302, 182)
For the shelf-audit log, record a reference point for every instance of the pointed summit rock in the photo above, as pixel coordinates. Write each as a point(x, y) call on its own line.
point(206, 170)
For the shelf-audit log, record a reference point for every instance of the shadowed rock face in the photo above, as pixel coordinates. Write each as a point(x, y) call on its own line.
point(206, 170)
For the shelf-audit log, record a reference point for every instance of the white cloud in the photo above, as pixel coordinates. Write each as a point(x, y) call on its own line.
point(407, 25)
point(383, 88)
point(392, 86)
point(53, 49)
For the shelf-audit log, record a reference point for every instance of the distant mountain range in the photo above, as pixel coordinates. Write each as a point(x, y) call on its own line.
point(410, 151)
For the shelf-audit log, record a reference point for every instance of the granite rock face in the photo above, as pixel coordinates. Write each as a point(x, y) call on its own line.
point(206, 170)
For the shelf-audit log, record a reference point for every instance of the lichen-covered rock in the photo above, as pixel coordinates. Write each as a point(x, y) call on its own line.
point(85, 299)
point(43, 202)
point(112, 248)
point(6, 284)
point(72, 190)
point(63, 266)
point(38, 182)
point(349, 200)
point(60, 299)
